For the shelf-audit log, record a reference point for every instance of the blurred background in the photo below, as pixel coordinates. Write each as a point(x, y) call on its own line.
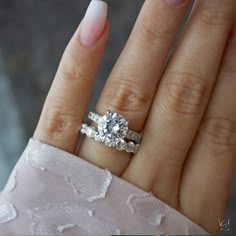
point(33, 35)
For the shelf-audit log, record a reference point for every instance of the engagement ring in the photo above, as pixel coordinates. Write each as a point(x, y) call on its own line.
point(112, 130)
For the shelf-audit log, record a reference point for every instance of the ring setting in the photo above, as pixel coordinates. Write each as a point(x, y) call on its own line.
point(112, 130)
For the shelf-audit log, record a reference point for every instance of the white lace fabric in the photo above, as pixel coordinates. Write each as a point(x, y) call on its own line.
point(53, 192)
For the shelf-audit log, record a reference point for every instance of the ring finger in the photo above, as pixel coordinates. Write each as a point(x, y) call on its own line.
point(132, 84)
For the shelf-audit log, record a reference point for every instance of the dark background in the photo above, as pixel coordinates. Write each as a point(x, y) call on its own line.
point(33, 35)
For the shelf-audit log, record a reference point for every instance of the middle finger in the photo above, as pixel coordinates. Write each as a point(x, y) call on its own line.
point(132, 84)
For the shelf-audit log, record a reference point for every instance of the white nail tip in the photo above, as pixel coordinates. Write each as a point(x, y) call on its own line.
point(94, 22)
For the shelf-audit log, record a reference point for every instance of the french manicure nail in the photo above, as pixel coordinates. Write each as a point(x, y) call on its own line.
point(93, 23)
point(175, 2)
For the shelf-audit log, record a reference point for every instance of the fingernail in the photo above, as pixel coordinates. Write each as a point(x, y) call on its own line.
point(175, 2)
point(233, 32)
point(93, 23)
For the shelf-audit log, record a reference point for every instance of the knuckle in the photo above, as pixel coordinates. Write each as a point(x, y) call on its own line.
point(214, 14)
point(186, 93)
point(127, 96)
point(58, 120)
point(219, 131)
point(71, 72)
point(153, 31)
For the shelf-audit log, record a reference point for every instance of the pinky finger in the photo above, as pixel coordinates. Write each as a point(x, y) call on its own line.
point(211, 162)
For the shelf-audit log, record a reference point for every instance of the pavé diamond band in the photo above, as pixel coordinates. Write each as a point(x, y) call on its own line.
point(113, 131)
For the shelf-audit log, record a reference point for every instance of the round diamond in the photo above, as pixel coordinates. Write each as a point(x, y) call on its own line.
point(130, 147)
point(121, 145)
point(91, 132)
point(136, 148)
point(97, 138)
point(83, 128)
point(108, 142)
point(112, 127)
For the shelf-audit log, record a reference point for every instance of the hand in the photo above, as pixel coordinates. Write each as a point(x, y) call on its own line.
point(187, 114)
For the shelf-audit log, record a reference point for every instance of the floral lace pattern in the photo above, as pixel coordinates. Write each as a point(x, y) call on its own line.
point(53, 192)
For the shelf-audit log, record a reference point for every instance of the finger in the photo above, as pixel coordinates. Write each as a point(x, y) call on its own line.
point(181, 100)
point(66, 102)
point(133, 81)
point(210, 164)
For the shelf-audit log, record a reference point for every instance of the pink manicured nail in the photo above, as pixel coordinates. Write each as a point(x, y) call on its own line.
point(175, 2)
point(94, 22)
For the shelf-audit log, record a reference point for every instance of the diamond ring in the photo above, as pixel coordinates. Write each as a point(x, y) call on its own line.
point(113, 131)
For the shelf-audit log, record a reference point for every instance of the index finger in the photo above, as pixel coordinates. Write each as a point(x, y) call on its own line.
point(68, 97)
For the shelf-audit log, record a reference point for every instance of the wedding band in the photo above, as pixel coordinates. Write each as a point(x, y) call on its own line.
point(113, 131)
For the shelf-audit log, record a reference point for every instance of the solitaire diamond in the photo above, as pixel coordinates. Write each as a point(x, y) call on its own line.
point(112, 127)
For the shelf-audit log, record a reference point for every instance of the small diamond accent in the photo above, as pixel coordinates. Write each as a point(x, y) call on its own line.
point(108, 142)
point(121, 145)
point(84, 128)
point(97, 138)
point(134, 136)
point(136, 148)
point(130, 147)
point(93, 116)
point(90, 132)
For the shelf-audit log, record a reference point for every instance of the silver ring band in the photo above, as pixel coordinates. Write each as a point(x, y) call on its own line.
point(113, 131)
point(91, 132)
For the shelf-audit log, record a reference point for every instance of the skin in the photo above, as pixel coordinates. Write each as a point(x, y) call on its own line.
point(188, 114)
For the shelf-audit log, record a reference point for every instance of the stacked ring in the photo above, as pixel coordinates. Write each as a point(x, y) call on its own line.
point(112, 130)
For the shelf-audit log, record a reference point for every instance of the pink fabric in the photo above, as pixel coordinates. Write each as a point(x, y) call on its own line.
point(53, 192)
